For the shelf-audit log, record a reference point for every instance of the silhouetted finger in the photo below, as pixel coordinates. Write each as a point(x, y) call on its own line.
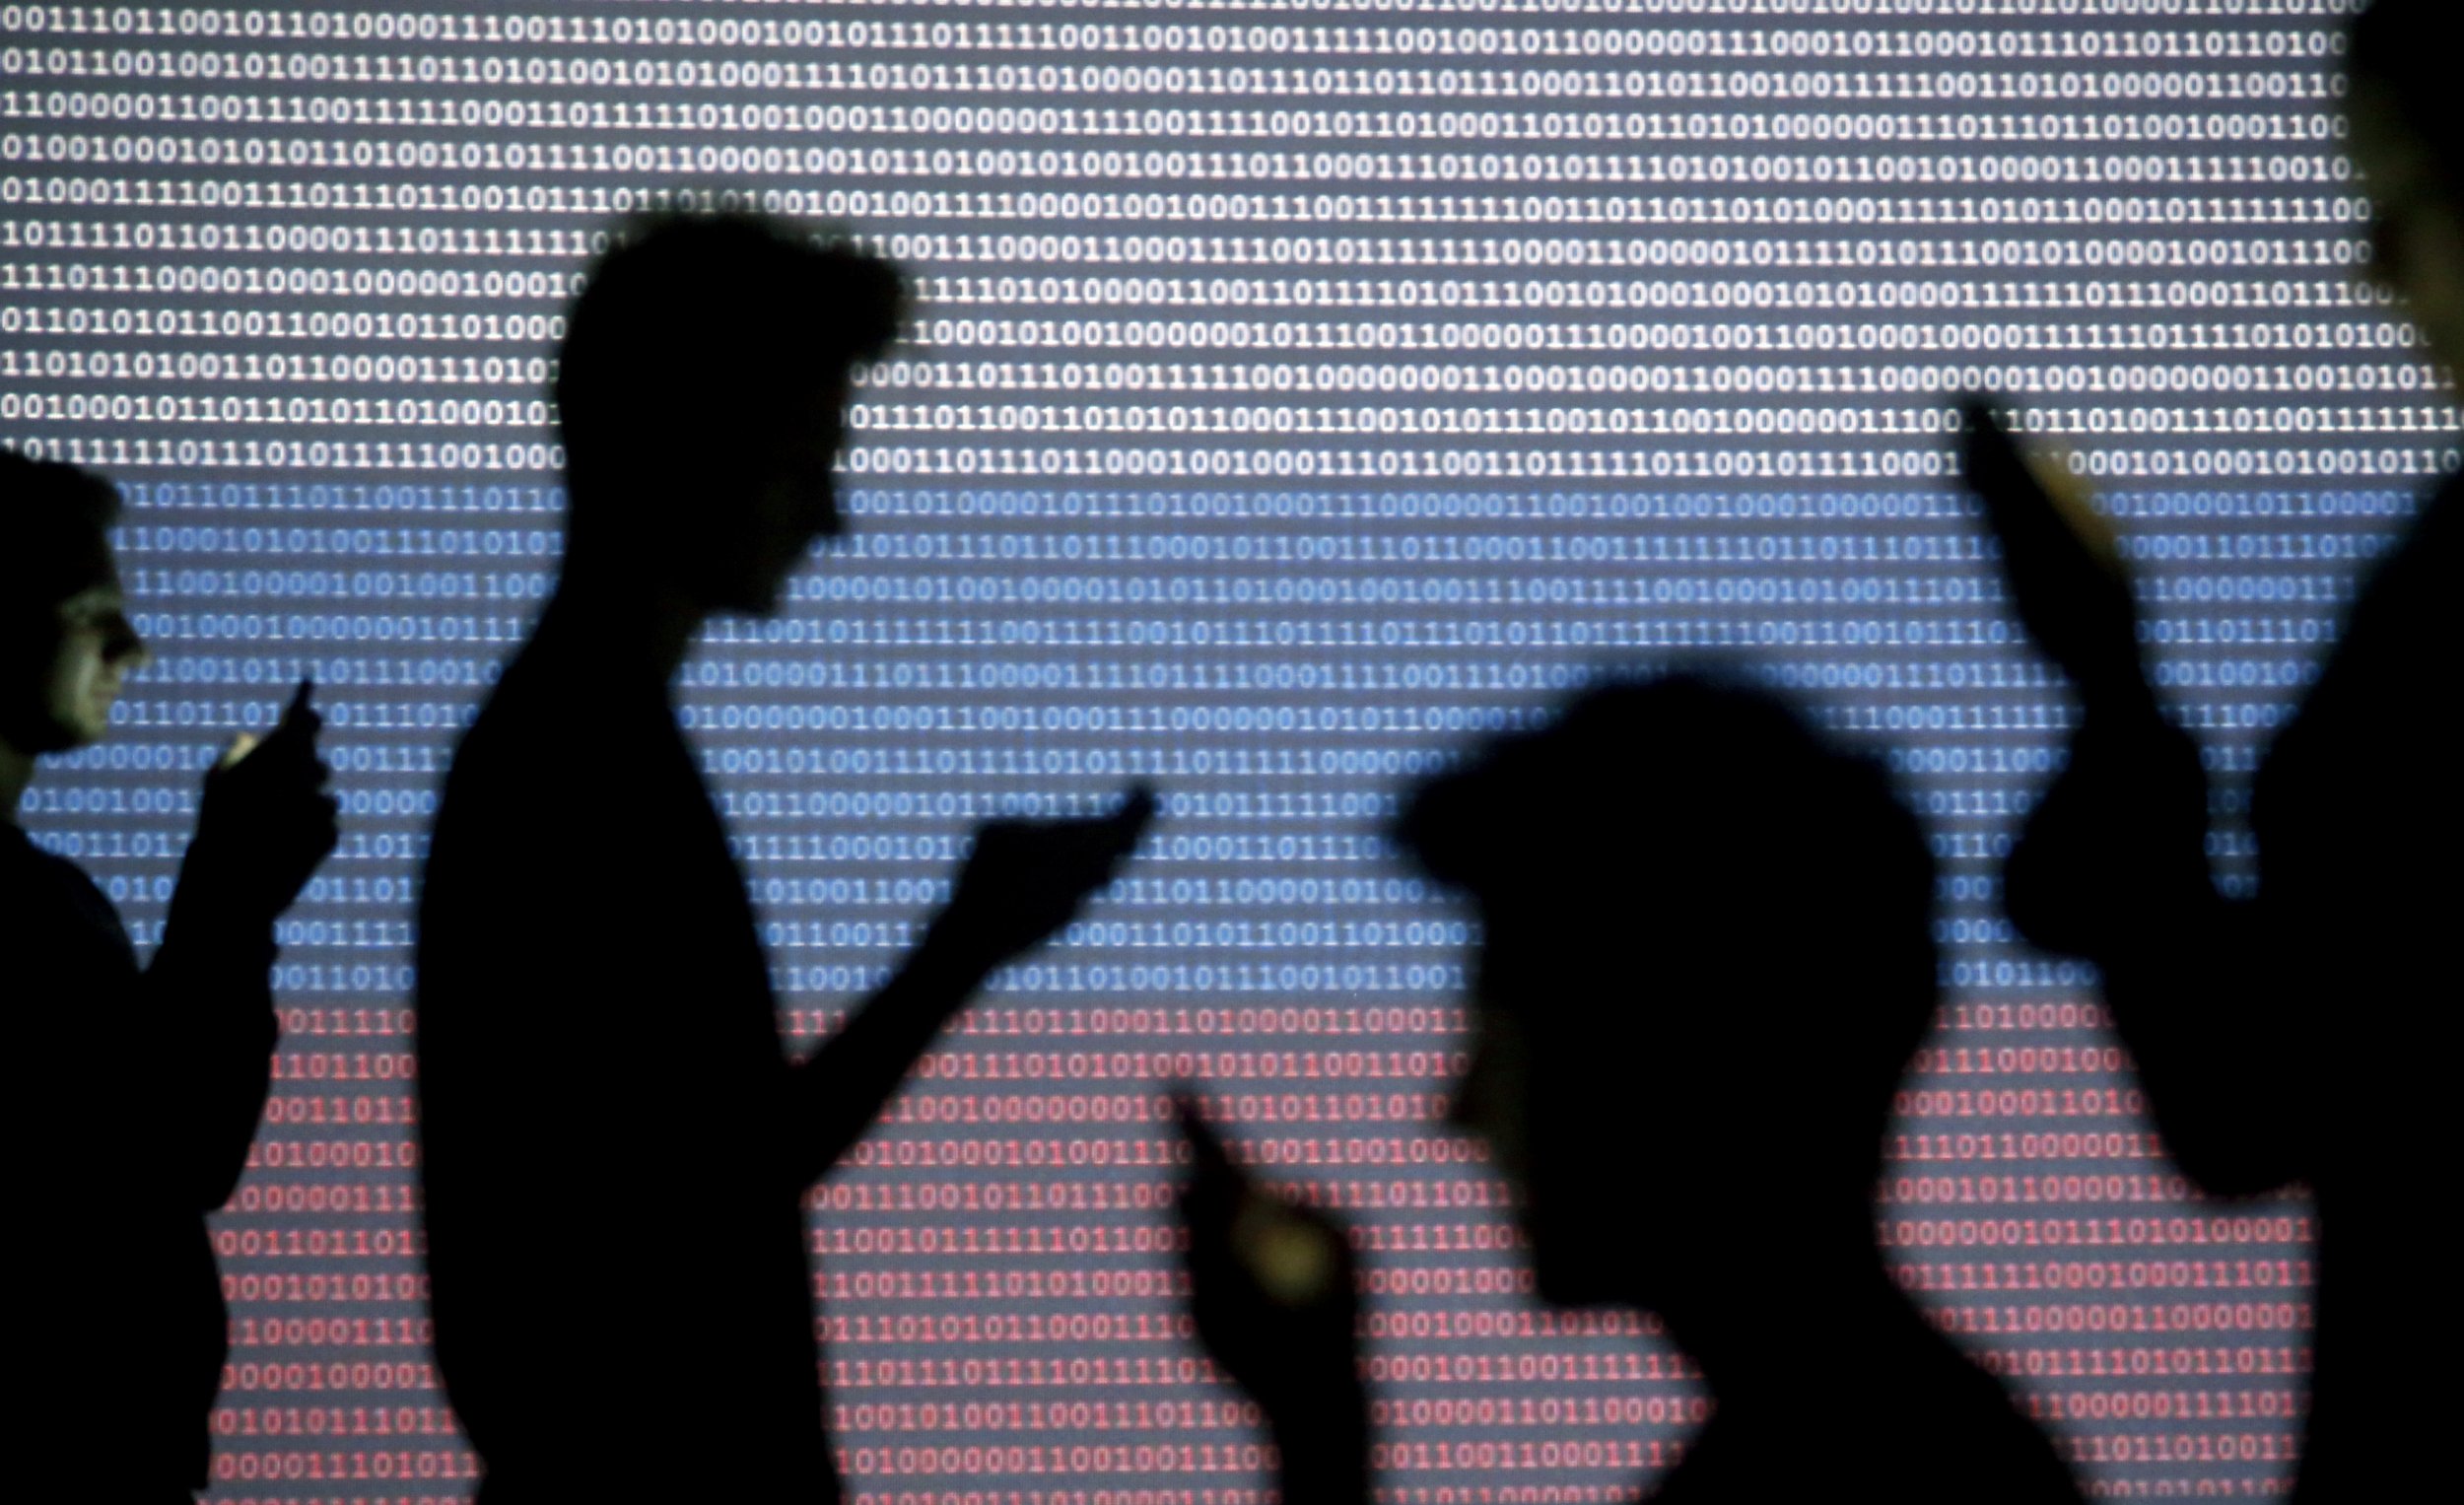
point(1137, 808)
point(1978, 426)
point(1217, 1184)
point(1093, 869)
point(1080, 856)
point(2044, 520)
point(1990, 458)
point(993, 835)
point(1205, 1151)
point(295, 733)
point(1118, 833)
point(1275, 1249)
point(291, 747)
point(1109, 844)
point(1995, 470)
point(2036, 509)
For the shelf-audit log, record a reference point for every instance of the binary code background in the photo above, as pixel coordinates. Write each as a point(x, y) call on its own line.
point(1297, 392)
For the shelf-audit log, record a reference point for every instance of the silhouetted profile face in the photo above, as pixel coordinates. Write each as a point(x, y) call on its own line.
point(785, 501)
point(703, 390)
point(2417, 224)
point(69, 644)
point(1531, 1095)
point(2403, 130)
point(93, 648)
point(1594, 1126)
point(1706, 954)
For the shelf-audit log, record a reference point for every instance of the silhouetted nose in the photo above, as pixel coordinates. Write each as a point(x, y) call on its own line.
point(122, 646)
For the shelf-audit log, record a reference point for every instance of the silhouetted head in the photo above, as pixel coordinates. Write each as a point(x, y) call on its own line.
point(701, 389)
point(2403, 130)
point(65, 638)
point(1705, 955)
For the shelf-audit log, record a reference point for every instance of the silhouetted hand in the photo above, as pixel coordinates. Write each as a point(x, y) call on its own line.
point(2066, 578)
point(1023, 882)
point(264, 823)
point(2112, 859)
point(1026, 879)
point(2113, 849)
point(1272, 1288)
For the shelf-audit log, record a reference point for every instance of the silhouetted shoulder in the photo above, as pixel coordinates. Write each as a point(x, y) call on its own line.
point(127, 1304)
point(559, 796)
point(51, 913)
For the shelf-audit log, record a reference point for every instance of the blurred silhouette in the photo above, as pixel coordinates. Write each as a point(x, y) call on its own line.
point(615, 1147)
point(2294, 1035)
point(1706, 954)
point(135, 1093)
point(1273, 1291)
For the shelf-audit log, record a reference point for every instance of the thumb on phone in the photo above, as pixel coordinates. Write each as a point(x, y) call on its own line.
point(2059, 557)
point(2033, 502)
point(295, 733)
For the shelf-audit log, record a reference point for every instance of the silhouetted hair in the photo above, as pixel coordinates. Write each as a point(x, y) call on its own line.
point(2398, 45)
point(1687, 835)
point(55, 524)
point(695, 333)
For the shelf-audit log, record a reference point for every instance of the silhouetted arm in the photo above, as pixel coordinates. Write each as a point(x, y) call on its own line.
point(1275, 1298)
point(262, 827)
point(843, 1086)
point(1023, 882)
point(207, 1010)
point(2215, 998)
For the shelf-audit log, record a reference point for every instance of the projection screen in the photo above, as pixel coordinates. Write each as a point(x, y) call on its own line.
point(1296, 393)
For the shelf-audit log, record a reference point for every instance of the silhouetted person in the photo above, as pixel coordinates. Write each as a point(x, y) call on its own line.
point(1705, 955)
point(2298, 1035)
point(133, 1094)
point(615, 1146)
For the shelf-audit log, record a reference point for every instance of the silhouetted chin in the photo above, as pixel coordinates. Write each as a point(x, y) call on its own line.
point(769, 593)
point(50, 736)
point(760, 601)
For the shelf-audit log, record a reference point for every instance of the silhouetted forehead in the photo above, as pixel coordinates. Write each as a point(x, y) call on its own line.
point(80, 566)
point(104, 595)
